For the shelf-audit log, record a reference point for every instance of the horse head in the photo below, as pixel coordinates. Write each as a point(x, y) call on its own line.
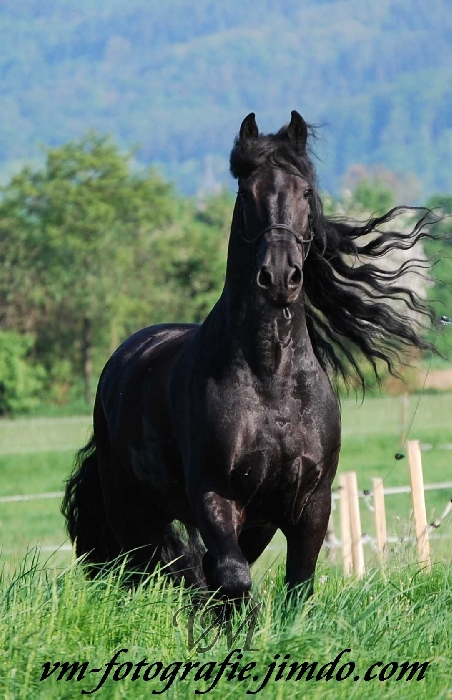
point(273, 208)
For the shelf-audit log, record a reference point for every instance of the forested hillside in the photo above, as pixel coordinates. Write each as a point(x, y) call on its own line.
point(93, 247)
point(177, 77)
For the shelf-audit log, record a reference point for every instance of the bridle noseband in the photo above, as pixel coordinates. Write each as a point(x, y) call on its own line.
point(284, 227)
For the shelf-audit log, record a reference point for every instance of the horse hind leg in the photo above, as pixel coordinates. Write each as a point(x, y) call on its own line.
point(150, 537)
point(144, 531)
point(134, 518)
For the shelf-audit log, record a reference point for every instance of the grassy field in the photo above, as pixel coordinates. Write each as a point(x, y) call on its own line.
point(49, 614)
point(36, 456)
point(387, 635)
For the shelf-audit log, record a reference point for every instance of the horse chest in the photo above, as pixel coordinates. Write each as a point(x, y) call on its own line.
point(278, 451)
point(267, 440)
point(277, 434)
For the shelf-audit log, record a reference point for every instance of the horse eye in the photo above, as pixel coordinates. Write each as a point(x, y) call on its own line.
point(307, 193)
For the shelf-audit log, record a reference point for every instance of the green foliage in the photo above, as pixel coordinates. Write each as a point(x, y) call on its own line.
point(71, 241)
point(92, 251)
point(373, 197)
point(189, 262)
point(20, 379)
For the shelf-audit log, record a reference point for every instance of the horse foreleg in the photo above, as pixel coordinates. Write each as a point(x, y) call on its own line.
point(304, 540)
point(225, 567)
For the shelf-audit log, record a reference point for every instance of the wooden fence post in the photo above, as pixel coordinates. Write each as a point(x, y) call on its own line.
point(330, 538)
point(355, 525)
point(380, 518)
point(345, 524)
point(418, 497)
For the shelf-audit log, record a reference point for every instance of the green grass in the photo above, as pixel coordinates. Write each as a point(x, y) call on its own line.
point(401, 616)
point(35, 435)
point(36, 456)
point(49, 613)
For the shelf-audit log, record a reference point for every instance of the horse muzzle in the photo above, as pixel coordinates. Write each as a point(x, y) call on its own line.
point(280, 285)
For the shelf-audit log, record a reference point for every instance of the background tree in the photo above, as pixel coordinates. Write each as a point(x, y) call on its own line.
point(189, 262)
point(20, 381)
point(71, 237)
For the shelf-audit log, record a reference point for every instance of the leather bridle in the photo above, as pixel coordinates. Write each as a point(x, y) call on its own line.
point(284, 227)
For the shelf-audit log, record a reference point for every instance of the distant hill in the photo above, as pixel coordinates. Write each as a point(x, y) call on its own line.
point(177, 78)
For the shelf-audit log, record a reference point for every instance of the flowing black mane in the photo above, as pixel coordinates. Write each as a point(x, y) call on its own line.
point(347, 286)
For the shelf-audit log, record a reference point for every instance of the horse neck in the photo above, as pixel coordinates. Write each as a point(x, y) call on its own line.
point(261, 337)
point(243, 330)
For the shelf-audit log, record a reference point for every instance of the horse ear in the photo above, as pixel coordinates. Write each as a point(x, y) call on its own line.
point(297, 131)
point(249, 128)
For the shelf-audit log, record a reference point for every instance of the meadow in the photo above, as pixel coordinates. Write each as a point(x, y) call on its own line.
point(50, 614)
point(36, 456)
point(387, 634)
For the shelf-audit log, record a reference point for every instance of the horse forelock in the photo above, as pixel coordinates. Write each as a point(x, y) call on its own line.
point(271, 150)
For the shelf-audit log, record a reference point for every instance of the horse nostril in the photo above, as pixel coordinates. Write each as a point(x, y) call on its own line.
point(295, 277)
point(265, 278)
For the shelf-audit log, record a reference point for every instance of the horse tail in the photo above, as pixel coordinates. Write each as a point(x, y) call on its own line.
point(180, 550)
point(84, 511)
point(182, 553)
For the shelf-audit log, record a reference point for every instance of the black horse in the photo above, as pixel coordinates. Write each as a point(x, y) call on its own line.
point(208, 438)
